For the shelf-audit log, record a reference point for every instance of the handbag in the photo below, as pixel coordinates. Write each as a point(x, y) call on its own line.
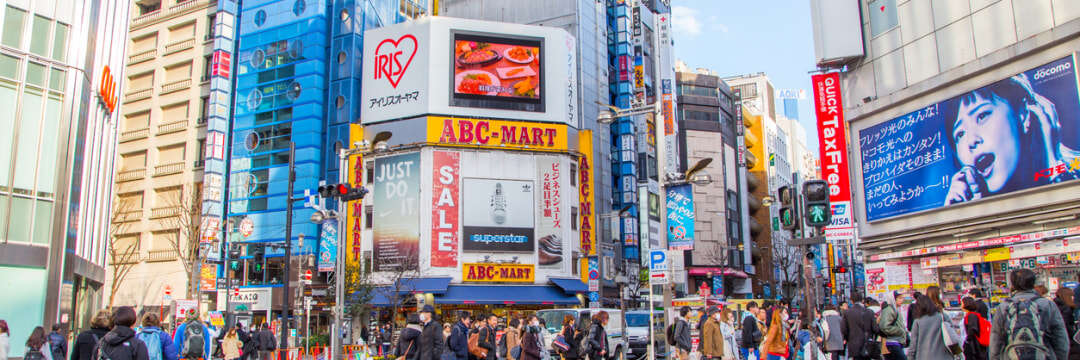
point(474, 346)
point(560, 344)
point(951, 342)
point(872, 347)
point(406, 354)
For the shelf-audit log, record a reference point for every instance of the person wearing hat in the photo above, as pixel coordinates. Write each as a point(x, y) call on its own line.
point(712, 339)
point(431, 337)
point(892, 327)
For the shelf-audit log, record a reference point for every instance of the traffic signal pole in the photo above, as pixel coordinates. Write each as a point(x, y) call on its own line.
point(286, 311)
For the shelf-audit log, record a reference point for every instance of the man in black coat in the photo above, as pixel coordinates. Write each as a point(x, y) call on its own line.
point(487, 337)
point(858, 327)
point(431, 338)
point(751, 334)
point(459, 337)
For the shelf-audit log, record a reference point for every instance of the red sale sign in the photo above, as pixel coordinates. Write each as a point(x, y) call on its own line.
point(444, 209)
point(832, 142)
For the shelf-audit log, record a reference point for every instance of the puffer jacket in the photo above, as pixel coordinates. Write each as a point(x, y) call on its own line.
point(891, 325)
point(121, 344)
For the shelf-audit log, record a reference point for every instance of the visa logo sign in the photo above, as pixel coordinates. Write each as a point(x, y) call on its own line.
point(841, 215)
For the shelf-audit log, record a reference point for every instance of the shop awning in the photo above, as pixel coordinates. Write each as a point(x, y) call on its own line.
point(434, 285)
point(570, 286)
point(506, 295)
point(704, 271)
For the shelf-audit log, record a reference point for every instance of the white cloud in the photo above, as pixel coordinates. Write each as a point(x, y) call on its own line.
point(684, 21)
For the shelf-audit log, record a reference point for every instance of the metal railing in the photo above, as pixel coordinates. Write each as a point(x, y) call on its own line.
point(199, 164)
point(130, 175)
point(164, 212)
point(127, 216)
point(169, 169)
point(131, 257)
point(142, 56)
point(163, 14)
point(171, 127)
point(179, 45)
point(161, 255)
point(136, 95)
point(175, 86)
point(132, 135)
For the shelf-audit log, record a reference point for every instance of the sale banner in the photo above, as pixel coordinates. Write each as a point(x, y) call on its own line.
point(444, 208)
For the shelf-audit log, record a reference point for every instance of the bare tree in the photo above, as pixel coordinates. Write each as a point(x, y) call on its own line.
point(185, 210)
point(788, 259)
point(398, 278)
point(123, 251)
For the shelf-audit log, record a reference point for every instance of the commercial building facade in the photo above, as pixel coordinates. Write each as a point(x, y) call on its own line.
point(60, 134)
point(922, 70)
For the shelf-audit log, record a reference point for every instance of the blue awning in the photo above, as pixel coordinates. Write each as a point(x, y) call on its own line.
point(423, 285)
point(506, 294)
point(570, 286)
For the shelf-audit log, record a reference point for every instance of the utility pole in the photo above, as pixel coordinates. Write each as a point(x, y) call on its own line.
point(286, 311)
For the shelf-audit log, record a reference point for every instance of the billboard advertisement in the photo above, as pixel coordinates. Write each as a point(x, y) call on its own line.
point(832, 146)
point(680, 217)
point(501, 218)
point(328, 245)
point(497, 72)
point(1015, 134)
point(468, 68)
point(444, 208)
point(498, 134)
point(396, 225)
point(552, 220)
point(585, 197)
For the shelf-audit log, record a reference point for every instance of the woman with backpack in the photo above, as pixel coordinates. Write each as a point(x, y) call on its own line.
point(1067, 305)
point(85, 345)
point(37, 346)
point(120, 343)
point(927, 340)
point(973, 349)
point(159, 345)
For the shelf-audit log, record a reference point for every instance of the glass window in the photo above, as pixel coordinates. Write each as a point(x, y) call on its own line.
point(22, 211)
point(26, 152)
point(35, 74)
point(39, 37)
point(8, 97)
point(50, 125)
point(14, 19)
point(59, 42)
point(56, 79)
point(9, 67)
point(43, 222)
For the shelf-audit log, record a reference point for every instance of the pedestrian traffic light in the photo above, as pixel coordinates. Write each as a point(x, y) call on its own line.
point(786, 195)
point(818, 211)
point(342, 191)
point(259, 253)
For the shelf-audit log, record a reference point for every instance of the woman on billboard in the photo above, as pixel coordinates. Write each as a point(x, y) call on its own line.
point(1006, 137)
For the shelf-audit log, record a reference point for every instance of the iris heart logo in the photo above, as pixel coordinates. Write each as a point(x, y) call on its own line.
point(389, 57)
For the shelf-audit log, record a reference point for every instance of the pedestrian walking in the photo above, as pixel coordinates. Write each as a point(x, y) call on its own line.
point(530, 343)
point(597, 343)
point(974, 349)
point(408, 345)
point(980, 303)
point(541, 337)
point(859, 329)
point(386, 338)
point(265, 343)
point(751, 333)
point(727, 330)
point(911, 314)
point(458, 341)
point(1067, 306)
point(930, 329)
point(5, 340)
point(832, 335)
point(231, 346)
point(159, 345)
point(431, 338)
point(683, 343)
point(1027, 323)
point(85, 346)
point(892, 327)
point(37, 346)
point(712, 339)
point(487, 337)
point(120, 343)
point(776, 343)
point(247, 348)
point(192, 338)
point(512, 334)
point(572, 335)
point(57, 343)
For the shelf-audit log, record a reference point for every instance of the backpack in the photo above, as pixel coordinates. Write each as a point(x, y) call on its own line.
point(586, 342)
point(194, 341)
point(984, 329)
point(671, 334)
point(152, 339)
point(103, 354)
point(33, 354)
point(1024, 332)
point(501, 346)
point(56, 343)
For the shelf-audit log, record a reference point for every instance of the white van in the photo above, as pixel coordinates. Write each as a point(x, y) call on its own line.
point(617, 345)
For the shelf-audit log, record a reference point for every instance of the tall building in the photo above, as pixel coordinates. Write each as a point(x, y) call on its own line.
point(161, 150)
point(708, 129)
point(59, 135)
point(958, 174)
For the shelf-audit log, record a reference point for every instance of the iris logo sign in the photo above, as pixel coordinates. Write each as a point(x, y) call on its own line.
point(392, 58)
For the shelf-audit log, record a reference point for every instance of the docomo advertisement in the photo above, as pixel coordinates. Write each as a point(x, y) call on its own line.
point(832, 135)
point(444, 208)
point(470, 68)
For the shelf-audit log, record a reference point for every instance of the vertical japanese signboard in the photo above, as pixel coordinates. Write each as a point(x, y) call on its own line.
point(397, 212)
point(355, 210)
point(444, 208)
point(832, 135)
point(680, 217)
point(551, 220)
point(328, 245)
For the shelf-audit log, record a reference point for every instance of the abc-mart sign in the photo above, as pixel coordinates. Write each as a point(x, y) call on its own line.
point(409, 71)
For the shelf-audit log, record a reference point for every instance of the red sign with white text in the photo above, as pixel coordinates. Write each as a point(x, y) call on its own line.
point(832, 142)
point(444, 208)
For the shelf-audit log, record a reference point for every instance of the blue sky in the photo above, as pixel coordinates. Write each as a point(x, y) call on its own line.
point(733, 37)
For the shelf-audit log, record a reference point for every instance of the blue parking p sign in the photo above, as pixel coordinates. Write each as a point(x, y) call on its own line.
point(657, 260)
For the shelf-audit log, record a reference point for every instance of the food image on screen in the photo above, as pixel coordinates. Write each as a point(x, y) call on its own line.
point(487, 67)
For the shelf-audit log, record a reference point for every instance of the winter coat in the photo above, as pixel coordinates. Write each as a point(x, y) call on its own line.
point(487, 341)
point(1068, 315)
point(86, 344)
point(168, 350)
point(682, 334)
point(597, 342)
point(857, 327)
point(245, 338)
point(513, 338)
point(573, 338)
point(750, 332)
point(530, 344)
point(730, 344)
point(121, 344)
point(59, 352)
point(892, 328)
point(712, 339)
point(264, 340)
point(431, 341)
point(459, 341)
point(927, 341)
point(1053, 327)
point(5, 346)
point(832, 325)
point(178, 338)
point(409, 342)
point(973, 350)
point(776, 340)
point(230, 346)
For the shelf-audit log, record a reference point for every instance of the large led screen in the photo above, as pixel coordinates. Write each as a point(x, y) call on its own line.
point(497, 72)
point(1015, 134)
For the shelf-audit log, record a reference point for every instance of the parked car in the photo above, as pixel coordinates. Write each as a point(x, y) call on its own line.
point(616, 340)
point(637, 334)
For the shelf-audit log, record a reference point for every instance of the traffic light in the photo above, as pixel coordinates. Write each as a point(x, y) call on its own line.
point(342, 191)
point(234, 258)
point(818, 211)
point(786, 195)
point(839, 270)
point(259, 254)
